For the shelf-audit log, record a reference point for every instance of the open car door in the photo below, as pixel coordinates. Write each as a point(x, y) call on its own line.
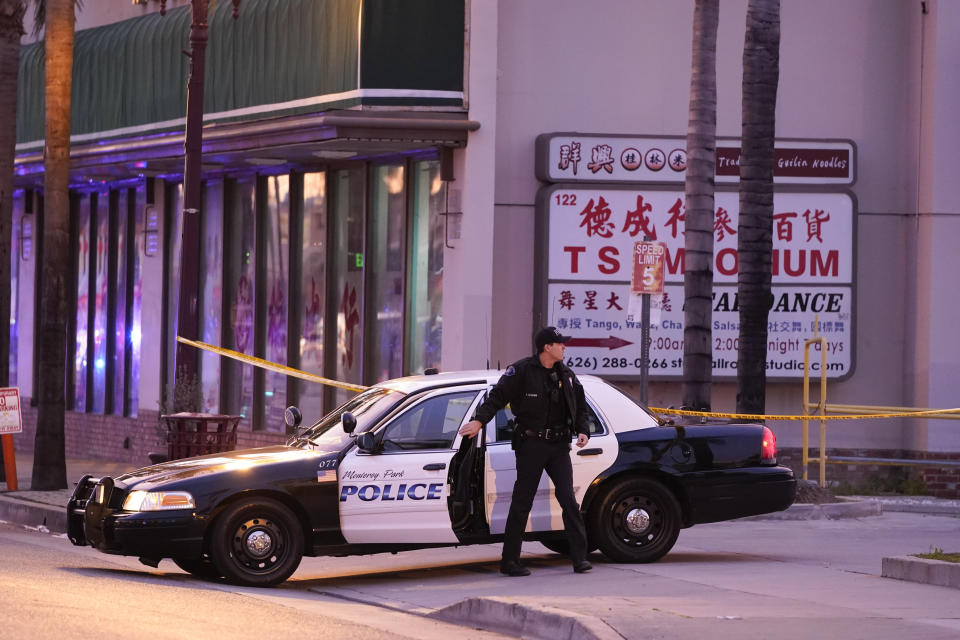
point(466, 498)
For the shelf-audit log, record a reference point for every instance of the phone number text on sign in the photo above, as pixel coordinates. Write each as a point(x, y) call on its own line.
point(606, 339)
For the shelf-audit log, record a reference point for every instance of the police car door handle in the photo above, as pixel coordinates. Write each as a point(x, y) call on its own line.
point(590, 452)
point(435, 466)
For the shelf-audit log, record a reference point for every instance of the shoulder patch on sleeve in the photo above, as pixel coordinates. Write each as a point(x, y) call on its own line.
point(509, 371)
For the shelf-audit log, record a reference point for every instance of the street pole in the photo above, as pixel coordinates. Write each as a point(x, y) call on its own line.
point(188, 314)
point(644, 349)
point(645, 342)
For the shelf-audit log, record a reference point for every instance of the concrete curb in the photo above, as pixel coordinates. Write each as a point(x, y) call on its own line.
point(19, 511)
point(508, 616)
point(944, 508)
point(913, 569)
point(826, 511)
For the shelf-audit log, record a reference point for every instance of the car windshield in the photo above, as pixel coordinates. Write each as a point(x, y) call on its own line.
point(367, 407)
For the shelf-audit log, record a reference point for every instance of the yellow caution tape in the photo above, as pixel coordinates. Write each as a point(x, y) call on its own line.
point(303, 375)
point(270, 366)
point(756, 416)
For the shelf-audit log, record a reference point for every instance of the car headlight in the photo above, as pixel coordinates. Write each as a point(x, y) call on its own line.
point(158, 501)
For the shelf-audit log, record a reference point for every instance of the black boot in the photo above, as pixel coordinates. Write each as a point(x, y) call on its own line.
point(513, 568)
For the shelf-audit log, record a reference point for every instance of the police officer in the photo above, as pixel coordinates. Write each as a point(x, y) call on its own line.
point(549, 405)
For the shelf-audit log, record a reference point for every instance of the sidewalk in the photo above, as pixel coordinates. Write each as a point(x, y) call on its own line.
point(49, 508)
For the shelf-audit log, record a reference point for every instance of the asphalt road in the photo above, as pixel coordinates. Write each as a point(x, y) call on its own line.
point(749, 580)
point(52, 589)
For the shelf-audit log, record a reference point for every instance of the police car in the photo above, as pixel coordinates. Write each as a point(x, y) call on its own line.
point(387, 471)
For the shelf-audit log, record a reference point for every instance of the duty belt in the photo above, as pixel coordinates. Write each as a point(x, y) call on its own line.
point(552, 434)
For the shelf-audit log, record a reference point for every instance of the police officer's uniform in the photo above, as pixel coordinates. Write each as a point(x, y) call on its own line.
point(550, 407)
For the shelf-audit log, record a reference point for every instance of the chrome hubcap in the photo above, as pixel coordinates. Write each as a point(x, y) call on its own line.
point(259, 543)
point(637, 521)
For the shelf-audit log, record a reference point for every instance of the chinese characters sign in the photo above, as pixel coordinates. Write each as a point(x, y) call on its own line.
point(592, 232)
point(593, 266)
point(576, 157)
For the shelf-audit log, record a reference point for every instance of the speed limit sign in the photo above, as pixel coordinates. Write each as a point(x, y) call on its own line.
point(649, 259)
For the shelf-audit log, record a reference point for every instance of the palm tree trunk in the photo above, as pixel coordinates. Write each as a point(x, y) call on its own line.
point(698, 237)
point(11, 28)
point(49, 466)
point(761, 74)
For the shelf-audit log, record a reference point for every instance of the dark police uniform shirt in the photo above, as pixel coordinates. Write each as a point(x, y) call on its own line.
point(540, 398)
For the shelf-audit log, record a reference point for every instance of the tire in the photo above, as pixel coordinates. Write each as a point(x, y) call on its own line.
point(557, 546)
point(256, 543)
point(562, 545)
point(201, 567)
point(637, 520)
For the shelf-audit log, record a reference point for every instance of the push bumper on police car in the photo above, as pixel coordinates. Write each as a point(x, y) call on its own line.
point(96, 517)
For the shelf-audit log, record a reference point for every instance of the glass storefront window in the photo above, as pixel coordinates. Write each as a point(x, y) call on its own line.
point(83, 303)
point(211, 294)
point(347, 264)
point(277, 241)
point(20, 220)
point(116, 364)
point(313, 299)
point(135, 288)
point(239, 278)
point(425, 282)
point(101, 229)
point(174, 240)
point(385, 255)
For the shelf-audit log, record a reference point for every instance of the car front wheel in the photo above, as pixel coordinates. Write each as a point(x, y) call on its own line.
point(257, 543)
point(199, 567)
point(637, 520)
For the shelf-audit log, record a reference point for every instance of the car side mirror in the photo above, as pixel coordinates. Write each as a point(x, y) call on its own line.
point(367, 442)
point(292, 417)
point(349, 422)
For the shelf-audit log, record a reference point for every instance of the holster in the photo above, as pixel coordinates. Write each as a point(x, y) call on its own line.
point(518, 436)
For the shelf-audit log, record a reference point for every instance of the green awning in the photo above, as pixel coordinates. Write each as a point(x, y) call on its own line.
point(279, 57)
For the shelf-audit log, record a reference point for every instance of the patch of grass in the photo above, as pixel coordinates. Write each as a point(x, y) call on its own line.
point(904, 485)
point(936, 553)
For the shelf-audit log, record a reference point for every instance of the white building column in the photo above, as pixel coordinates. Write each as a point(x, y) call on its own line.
point(934, 366)
point(468, 266)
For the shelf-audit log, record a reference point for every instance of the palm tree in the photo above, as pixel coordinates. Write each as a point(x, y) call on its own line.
point(49, 467)
point(11, 28)
point(698, 243)
point(761, 74)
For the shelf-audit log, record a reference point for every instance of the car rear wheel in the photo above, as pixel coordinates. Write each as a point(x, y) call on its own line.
point(201, 567)
point(637, 520)
point(562, 546)
point(257, 543)
point(557, 546)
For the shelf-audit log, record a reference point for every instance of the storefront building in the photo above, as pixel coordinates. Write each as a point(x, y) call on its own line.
point(324, 211)
point(371, 195)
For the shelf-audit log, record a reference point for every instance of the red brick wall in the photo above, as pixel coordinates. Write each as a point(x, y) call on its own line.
point(940, 482)
point(118, 439)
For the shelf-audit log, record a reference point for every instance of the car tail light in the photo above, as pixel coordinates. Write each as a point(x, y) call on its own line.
point(768, 450)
